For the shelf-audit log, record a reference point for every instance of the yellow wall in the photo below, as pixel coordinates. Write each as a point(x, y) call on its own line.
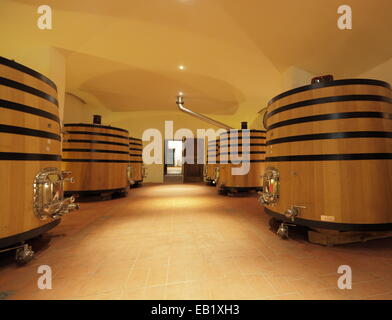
point(381, 72)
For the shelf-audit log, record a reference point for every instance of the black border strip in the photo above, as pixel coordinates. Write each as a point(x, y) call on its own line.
point(244, 144)
point(331, 157)
point(343, 82)
point(95, 150)
point(332, 135)
point(17, 66)
point(96, 141)
point(97, 134)
point(18, 238)
point(95, 160)
point(17, 156)
point(28, 89)
point(345, 98)
point(331, 225)
point(28, 132)
point(333, 116)
point(89, 125)
point(27, 109)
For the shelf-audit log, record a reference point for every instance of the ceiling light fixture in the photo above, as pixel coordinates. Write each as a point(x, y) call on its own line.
point(181, 67)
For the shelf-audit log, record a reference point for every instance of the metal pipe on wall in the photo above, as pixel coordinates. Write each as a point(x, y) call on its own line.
point(180, 103)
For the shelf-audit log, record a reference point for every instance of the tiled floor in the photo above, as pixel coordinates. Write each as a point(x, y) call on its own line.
point(187, 242)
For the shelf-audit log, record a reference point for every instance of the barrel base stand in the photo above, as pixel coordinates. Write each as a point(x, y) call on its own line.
point(237, 191)
point(335, 237)
point(136, 184)
point(94, 195)
point(328, 233)
point(23, 251)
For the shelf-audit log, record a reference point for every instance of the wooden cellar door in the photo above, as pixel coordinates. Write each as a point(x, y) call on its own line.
point(193, 172)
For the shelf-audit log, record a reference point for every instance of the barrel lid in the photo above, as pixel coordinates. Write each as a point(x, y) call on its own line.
point(89, 125)
point(342, 82)
point(31, 72)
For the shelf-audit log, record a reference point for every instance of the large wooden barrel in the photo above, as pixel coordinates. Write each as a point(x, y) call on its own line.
point(98, 157)
point(136, 161)
point(329, 156)
point(249, 146)
point(212, 161)
point(30, 154)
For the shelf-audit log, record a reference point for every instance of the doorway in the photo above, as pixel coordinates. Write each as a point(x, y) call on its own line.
point(173, 168)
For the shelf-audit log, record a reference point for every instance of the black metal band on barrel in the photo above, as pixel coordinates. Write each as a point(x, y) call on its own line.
point(136, 161)
point(28, 132)
point(234, 131)
point(97, 134)
point(135, 149)
point(240, 161)
point(332, 225)
point(136, 139)
point(89, 125)
point(95, 150)
point(17, 66)
point(22, 87)
point(240, 153)
point(343, 82)
point(244, 145)
point(17, 156)
point(27, 109)
point(345, 98)
point(332, 135)
point(135, 144)
point(96, 160)
point(96, 141)
point(331, 157)
point(20, 237)
point(135, 155)
point(333, 116)
point(242, 138)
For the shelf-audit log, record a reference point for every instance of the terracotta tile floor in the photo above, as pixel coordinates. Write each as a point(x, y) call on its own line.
point(187, 242)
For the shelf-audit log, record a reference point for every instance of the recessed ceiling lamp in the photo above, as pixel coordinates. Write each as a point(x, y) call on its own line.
point(181, 67)
point(180, 93)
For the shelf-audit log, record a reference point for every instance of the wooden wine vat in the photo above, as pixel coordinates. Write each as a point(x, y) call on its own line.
point(329, 156)
point(136, 161)
point(98, 157)
point(212, 161)
point(247, 146)
point(30, 155)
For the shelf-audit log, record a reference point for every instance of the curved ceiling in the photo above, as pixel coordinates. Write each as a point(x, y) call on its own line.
point(126, 53)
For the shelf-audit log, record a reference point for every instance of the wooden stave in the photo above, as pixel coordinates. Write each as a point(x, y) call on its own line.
point(285, 139)
point(23, 111)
